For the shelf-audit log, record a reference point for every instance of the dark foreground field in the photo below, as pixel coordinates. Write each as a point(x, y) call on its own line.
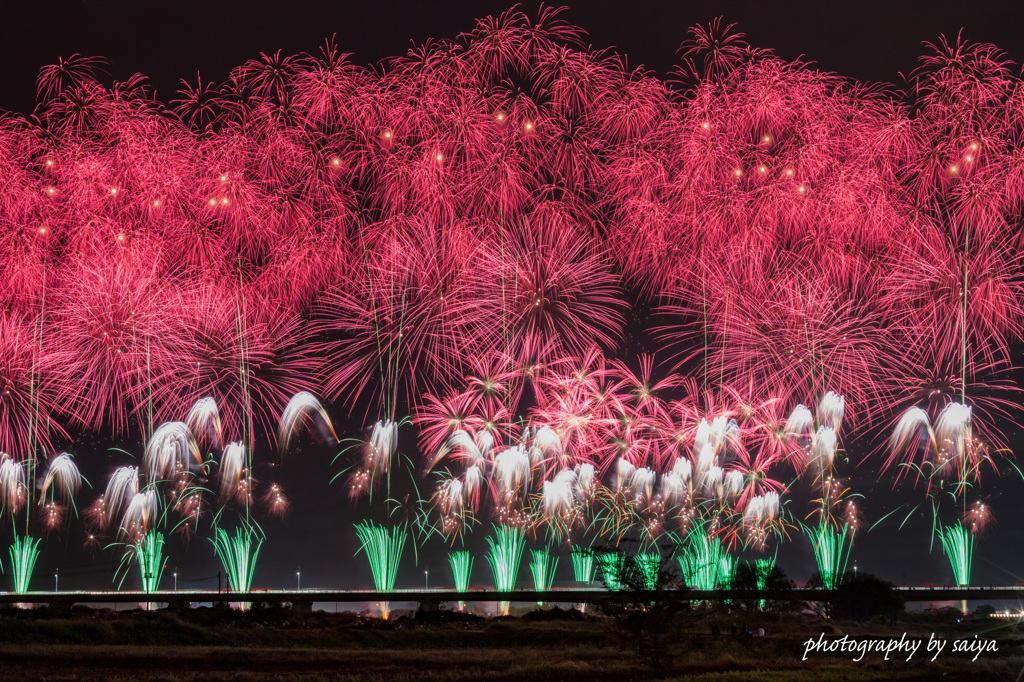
point(265, 644)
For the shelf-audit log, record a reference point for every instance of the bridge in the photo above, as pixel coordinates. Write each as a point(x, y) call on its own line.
point(304, 599)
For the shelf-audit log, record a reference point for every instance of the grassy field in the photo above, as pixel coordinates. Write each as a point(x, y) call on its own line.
point(272, 644)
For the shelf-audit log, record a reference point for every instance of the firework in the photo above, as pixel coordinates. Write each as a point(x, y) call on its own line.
point(62, 474)
point(12, 484)
point(727, 571)
point(203, 421)
point(763, 569)
point(462, 566)
point(140, 515)
point(300, 410)
point(701, 559)
point(383, 548)
point(947, 450)
point(168, 451)
point(831, 552)
point(122, 487)
point(232, 467)
point(612, 566)
point(395, 240)
point(378, 453)
point(24, 553)
point(838, 520)
point(149, 555)
point(583, 567)
point(246, 357)
point(275, 502)
point(650, 566)
point(543, 566)
point(238, 554)
point(505, 550)
point(30, 395)
point(958, 545)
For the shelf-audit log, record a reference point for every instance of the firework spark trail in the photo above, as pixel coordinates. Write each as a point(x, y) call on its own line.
point(476, 269)
point(505, 550)
point(702, 559)
point(203, 421)
point(383, 548)
point(831, 552)
point(763, 569)
point(63, 475)
point(612, 565)
point(428, 235)
point(649, 564)
point(301, 409)
point(12, 484)
point(168, 450)
point(958, 544)
point(24, 553)
point(542, 567)
point(238, 554)
point(149, 555)
point(583, 566)
point(946, 451)
point(462, 567)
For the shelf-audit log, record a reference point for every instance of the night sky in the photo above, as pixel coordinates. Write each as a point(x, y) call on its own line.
point(874, 41)
point(166, 41)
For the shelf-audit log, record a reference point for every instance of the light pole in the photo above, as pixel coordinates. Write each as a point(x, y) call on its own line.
point(298, 580)
point(854, 568)
point(175, 580)
point(56, 573)
point(426, 579)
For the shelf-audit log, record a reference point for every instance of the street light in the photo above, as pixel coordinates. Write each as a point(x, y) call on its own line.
point(426, 579)
point(175, 580)
point(855, 568)
point(56, 573)
point(298, 580)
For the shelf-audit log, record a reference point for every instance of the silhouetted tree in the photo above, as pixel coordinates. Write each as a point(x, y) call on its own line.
point(646, 602)
point(862, 596)
point(745, 578)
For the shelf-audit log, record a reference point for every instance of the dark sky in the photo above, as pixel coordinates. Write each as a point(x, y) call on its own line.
point(170, 39)
point(864, 39)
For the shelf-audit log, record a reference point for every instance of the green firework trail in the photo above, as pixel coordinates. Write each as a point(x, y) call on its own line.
point(958, 544)
point(383, 547)
point(543, 566)
point(701, 559)
point(583, 566)
point(238, 554)
point(612, 565)
point(763, 569)
point(462, 567)
point(149, 555)
point(24, 553)
point(505, 551)
point(831, 552)
point(649, 564)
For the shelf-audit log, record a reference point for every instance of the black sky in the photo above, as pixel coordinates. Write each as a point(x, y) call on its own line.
point(170, 39)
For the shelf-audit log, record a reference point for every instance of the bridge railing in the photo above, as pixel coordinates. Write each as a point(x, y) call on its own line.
point(913, 593)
